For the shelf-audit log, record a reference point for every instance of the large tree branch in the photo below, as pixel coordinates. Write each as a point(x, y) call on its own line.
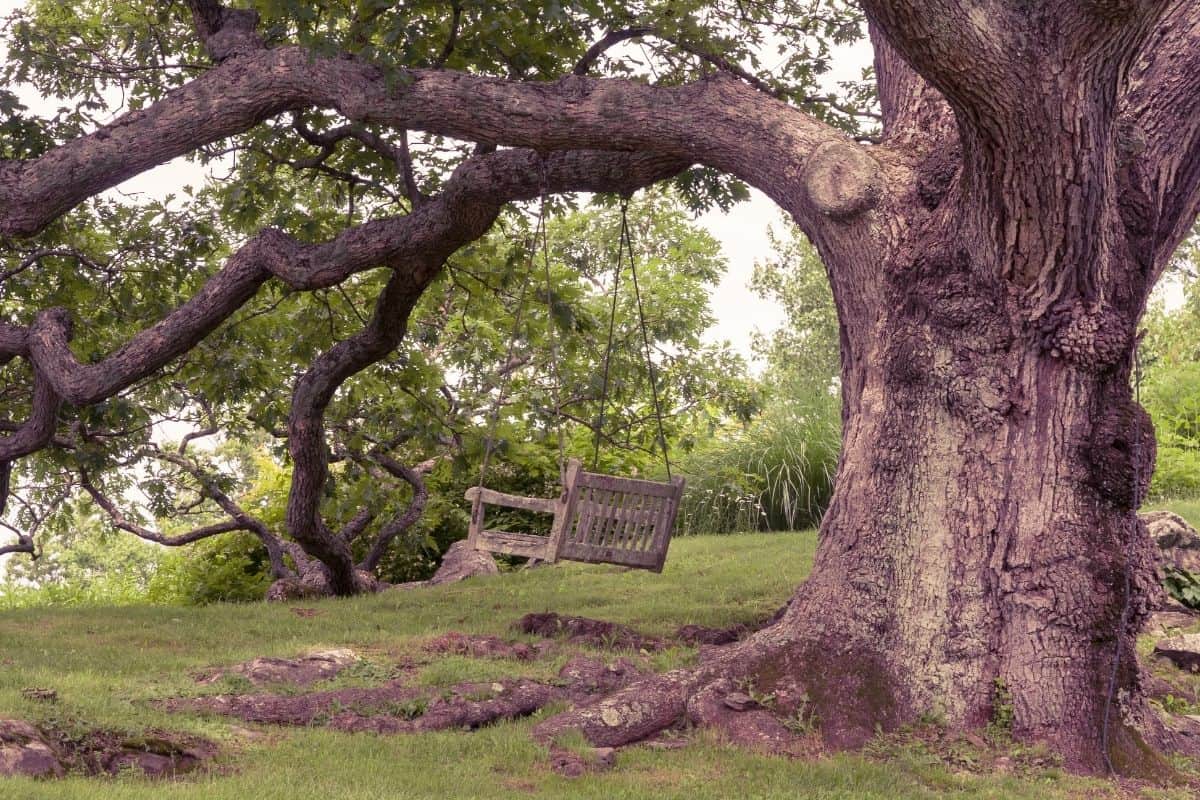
point(913, 109)
point(1161, 124)
point(406, 518)
point(719, 121)
point(37, 430)
point(991, 58)
point(463, 212)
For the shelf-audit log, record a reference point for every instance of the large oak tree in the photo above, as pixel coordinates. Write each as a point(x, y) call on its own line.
point(990, 257)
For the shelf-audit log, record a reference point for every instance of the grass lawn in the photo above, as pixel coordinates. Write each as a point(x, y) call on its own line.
point(1188, 509)
point(107, 663)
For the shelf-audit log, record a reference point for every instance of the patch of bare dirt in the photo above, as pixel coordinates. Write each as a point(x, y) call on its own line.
point(303, 671)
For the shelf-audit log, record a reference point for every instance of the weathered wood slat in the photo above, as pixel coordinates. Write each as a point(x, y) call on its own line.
point(614, 484)
point(608, 555)
point(666, 523)
point(494, 498)
point(514, 544)
point(645, 533)
point(633, 506)
point(611, 509)
point(644, 516)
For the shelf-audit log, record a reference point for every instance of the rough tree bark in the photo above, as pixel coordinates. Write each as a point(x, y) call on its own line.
point(990, 260)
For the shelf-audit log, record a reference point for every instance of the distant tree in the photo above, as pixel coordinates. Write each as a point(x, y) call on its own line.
point(805, 348)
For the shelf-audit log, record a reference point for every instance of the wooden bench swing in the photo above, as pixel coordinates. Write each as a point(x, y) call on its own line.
point(598, 519)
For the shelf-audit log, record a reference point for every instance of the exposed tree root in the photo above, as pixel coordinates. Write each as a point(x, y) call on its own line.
point(47, 751)
point(585, 631)
point(300, 709)
point(778, 693)
point(773, 691)
point(397, 707)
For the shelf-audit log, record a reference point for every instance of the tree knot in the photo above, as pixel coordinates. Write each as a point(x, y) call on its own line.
point(1120, 449)
point(1092, 338)
point(842, 180)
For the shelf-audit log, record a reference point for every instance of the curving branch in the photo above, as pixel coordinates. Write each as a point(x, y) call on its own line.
point(406, 518)
point(247, 522)
point(14, 341)
point(123, 522)
point(1161, 121)
point(38, 430)
point(462, 213)
point(357, 524)
point(606, 43)
point(976, 53)
point(720, 121)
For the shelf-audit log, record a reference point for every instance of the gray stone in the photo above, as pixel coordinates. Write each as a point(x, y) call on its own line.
point(739, 701)
point(1160, 623)
point(1178, 542)
point(461, 561)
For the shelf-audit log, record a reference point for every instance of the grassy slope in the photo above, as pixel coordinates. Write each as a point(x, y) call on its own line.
point(106, 662)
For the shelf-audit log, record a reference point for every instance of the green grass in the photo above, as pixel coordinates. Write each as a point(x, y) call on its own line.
point(1188, 509)
point(107, 662)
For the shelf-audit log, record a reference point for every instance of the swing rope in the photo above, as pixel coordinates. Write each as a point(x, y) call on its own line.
point(637, 293)
point(625, 248)
point(540, 242)
point(556, 378)
point(612, 325)
point(505, 381)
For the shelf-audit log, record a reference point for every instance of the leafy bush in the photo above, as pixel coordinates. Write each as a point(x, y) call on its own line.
point(774, 474)
point(1176, 472)
point(1172, 397)
point(1183, 585)
point(116, 589)
point(228, 568)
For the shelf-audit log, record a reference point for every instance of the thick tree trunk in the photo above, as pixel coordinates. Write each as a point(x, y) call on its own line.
point(981, 557)
point(982, 547)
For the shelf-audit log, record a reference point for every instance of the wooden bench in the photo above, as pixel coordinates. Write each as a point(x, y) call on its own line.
point(598, 519)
